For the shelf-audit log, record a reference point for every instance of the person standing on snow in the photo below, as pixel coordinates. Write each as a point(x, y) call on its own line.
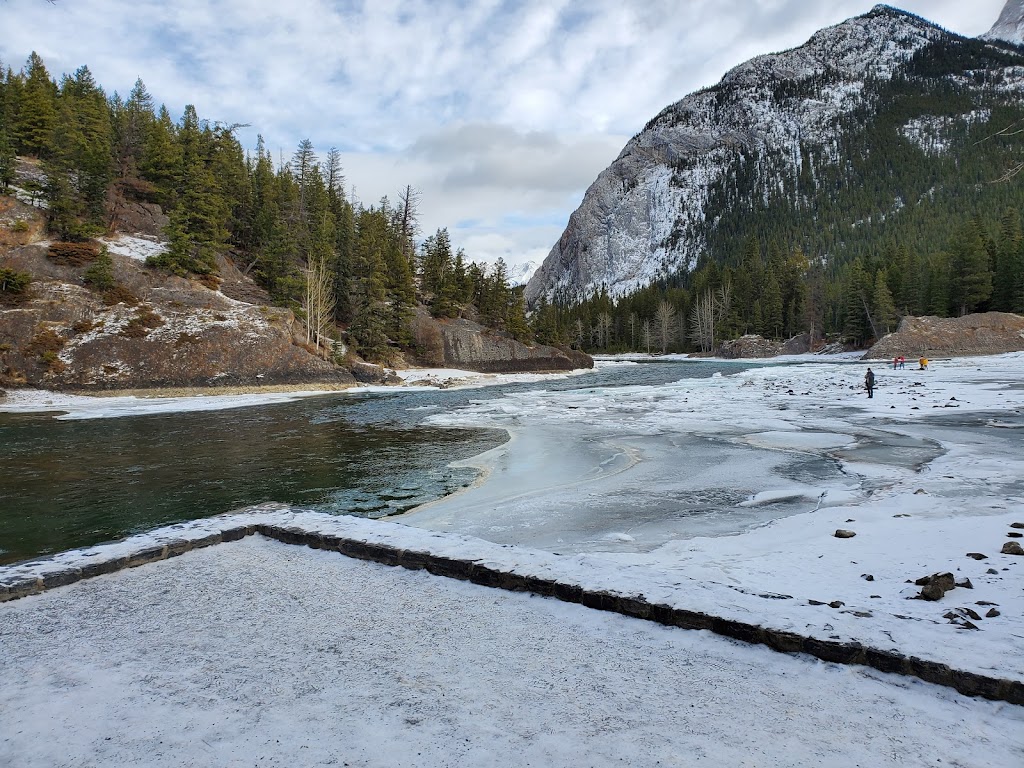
point(869, 382)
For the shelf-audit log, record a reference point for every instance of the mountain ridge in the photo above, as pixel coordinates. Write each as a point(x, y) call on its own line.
point(769, 129)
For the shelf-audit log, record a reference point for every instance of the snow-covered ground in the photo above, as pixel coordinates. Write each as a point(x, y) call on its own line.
point(261, 653)
point(223, 656)
point(137, 247)
point(930, 469)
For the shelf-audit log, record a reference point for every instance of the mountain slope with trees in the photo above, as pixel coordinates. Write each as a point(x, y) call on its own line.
point(827, 190)
point(352, 273)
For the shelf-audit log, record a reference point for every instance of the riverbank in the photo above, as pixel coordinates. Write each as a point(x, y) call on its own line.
point(225, 654)
point(134, 402)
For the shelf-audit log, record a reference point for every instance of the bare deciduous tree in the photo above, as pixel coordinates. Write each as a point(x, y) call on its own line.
point(319, 305)
point(665, 319)
point(604, 325)
point(708, 309)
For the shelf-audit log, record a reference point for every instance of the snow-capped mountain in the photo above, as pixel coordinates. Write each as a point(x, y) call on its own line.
point(1010, 25)
point(520, 274)
point(790, 137)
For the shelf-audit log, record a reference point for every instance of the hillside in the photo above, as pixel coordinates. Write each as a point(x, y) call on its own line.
point(139, 328)
point(874, 134)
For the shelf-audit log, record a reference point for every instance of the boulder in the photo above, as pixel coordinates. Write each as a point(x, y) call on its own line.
point(464, 344)
point(842, 533)
point(1012, 548)
point(935, 586)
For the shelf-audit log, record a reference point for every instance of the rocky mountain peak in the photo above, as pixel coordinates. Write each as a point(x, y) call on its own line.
point(650, 213)
point(1010, 24)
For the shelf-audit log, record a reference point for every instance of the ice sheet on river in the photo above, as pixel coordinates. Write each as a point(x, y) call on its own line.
point(929, 470)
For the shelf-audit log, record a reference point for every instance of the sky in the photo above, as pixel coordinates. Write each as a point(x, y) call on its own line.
point(499, 112)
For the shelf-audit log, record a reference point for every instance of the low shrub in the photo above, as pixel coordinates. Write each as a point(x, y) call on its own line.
point(120, 295)
point(46, 344)
point(13, 285)
point(140, 325)
point(73, 254)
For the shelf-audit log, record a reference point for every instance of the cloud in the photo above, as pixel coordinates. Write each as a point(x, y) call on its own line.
point(480, 156)
point(501, 112)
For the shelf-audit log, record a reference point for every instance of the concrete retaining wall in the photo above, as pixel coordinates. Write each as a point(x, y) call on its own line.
point(967, 683)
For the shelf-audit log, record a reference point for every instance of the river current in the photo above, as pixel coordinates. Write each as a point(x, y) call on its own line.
point(74, 483)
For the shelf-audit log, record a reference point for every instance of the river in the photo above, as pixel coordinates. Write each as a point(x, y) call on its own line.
point(73, 483)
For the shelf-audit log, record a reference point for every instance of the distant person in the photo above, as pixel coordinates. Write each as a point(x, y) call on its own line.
point(903, 361)
point(895, 363)
point(923, 362)
point(869, 382)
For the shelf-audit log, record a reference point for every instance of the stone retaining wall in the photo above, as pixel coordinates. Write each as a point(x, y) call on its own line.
point(967, 683)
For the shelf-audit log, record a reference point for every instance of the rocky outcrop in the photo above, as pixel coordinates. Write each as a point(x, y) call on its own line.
point(754, 346)
point(467, 345)
point(154, 331)
point(988, 333)
point(651, 212)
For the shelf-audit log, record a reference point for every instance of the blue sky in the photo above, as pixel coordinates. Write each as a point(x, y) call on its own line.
point(501, 112)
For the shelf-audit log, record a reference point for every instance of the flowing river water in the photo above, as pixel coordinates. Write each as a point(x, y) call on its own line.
point(73, 483)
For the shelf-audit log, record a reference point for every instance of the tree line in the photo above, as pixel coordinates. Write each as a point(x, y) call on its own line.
point(779, 294)
point(290, 225)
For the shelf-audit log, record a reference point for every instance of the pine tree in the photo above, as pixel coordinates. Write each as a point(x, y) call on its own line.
point(7, 160)
point(883, 307)
point(37, 113)
point(161, 157)
point(856, 321)
point(771, 308)
point(970, 273)
point(1009, 266)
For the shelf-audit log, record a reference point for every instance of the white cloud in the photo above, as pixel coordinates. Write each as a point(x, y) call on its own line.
point(501, 113)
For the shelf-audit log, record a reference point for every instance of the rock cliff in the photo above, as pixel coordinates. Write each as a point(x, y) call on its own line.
point(469, 346)
point(1010, 25)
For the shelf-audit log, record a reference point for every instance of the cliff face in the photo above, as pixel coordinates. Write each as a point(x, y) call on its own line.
point(795, 137)
point(1010, 25)
point(468, 346)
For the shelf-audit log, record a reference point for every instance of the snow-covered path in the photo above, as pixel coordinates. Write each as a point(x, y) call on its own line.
point(261, 653)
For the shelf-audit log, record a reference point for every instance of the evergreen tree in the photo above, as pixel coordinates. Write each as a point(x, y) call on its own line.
point(7, 160)
point(970, 274)
point(884, 308)
point(771, 308)
point(37, 109)
point(856, 321)
point(1009, 266)
point(161, 157)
